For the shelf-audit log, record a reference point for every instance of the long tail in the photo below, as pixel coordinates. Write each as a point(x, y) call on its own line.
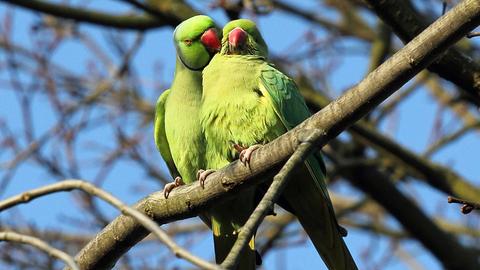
point(307, 197)
point(223, 244)
point(227, 218)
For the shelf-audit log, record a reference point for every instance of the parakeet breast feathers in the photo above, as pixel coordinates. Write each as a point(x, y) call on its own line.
point(231, 99)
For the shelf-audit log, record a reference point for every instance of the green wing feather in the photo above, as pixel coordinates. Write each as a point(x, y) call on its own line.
point(308, 199)
point(160, 136)
point(288, 104)
point(290, 107)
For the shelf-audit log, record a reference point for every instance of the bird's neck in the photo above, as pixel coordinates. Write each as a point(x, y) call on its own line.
point(187, 80)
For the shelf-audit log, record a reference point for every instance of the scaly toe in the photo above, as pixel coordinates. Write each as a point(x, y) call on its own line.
point(241, 157)
point(246, 154)
point(178, 181)
point(202, 176)
point(170, 186)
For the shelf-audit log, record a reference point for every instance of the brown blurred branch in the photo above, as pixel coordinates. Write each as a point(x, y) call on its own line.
point(473, 34)
point(460, 109)
point(467, 207)
point(378, 185)
point(170, 13)
point(358, 29)
point(393, 102)
point(381, 46)
point(375, 212)
point(188, 200)
point(35, 242)
point(454, 66)
point(140, 217)
point(450, 138)
point(438, 176)
point(275, 232)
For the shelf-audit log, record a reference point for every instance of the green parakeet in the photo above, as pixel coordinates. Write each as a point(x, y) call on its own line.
point(246, 102)
point(177, 131)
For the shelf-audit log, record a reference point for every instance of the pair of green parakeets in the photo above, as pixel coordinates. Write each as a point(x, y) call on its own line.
point(226, 98)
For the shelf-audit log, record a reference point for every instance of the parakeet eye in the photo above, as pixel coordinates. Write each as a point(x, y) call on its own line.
point(187, 42)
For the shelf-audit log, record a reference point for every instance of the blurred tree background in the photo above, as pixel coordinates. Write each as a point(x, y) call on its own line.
point(78, 85)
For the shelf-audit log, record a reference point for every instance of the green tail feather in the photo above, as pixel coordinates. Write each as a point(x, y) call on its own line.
point(227, 219)
point(223, 244)
point(306, 199)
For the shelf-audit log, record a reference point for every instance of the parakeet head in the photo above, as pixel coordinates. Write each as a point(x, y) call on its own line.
point(196, 40)
point(242, 37)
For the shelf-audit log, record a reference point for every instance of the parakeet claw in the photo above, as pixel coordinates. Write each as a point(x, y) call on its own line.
point(202, 176)
point(238, 147)
point(245, 154)
point(170, 186)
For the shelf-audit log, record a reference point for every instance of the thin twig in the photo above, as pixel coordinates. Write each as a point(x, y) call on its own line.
point(467, 205)
point(35, 242)
point(394, 101)
point(266, 204)
point(449, 138)
point(143, 219)
point(407, 22)
point(473, 34)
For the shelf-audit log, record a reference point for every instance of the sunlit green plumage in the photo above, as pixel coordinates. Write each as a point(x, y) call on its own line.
point(177, 131)
point(178, 134)
point(247, 101)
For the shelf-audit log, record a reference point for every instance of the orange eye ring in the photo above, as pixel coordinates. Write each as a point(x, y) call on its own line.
point(188, 42)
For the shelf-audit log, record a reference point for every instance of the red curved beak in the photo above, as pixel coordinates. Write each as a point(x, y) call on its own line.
point(211, 41)
point(237, 37)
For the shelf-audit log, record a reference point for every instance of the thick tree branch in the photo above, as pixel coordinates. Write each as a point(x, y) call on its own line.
point(172, 13)
point(454, 66)
point(35, 242)
point(186, 201)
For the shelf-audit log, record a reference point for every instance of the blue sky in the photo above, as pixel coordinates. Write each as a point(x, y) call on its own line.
point(414, 120)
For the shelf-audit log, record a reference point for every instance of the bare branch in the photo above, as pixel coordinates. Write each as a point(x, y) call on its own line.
point(467, 205)
point(442, 142)
point(438, 176)
point(473, 34)
point(378, 185)
point(454, 66)
point(35, 242)
point(173, 14)
point(355, 29)
point(143, 219)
